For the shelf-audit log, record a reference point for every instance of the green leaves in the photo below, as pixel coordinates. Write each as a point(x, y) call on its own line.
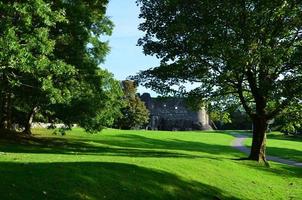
point(49, 57)
point(134, 114)
point(290, 120)
point(246, 50)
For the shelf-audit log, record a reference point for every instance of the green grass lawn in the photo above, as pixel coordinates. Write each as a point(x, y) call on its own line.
point(289, 147)
point(138, 165)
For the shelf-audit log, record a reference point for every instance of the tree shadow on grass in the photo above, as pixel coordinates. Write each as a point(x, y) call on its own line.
point(123, 145)
point(290, 154)
point(296, 138)
point(137, 141)
point(81, 148)
point(284, 153)
point(276, 169)
point(97, 180)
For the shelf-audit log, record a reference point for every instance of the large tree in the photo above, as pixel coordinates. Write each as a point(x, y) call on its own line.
point(246, 50)
point(95, 95)
point(26, 54)
point(50, 52)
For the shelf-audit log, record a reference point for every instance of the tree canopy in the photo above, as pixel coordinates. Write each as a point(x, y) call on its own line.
point(248, 51)
point(50, 52)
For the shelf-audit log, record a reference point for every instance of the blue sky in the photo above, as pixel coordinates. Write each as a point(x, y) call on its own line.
point(126, 58)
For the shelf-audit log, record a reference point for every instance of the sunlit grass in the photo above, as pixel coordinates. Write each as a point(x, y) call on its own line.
point(119, 164)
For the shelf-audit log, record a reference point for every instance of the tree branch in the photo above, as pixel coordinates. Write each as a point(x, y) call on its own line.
point(247, 109)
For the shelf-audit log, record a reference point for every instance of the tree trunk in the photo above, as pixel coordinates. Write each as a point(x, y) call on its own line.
point(259, 140)
point(29, 121)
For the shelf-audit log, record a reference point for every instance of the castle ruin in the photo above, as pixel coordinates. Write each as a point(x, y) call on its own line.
point(174, 114)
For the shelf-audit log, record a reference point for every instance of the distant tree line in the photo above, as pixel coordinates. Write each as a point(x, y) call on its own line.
point(289, 122)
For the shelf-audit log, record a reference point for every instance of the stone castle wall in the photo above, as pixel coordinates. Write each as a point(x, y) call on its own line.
point(174, 114)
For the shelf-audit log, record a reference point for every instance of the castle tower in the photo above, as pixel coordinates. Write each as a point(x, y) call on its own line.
point(203, 119)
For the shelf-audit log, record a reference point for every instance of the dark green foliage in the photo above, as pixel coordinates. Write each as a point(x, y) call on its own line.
point(92, 108)
point(28, 68)
point(290, 120)
point(229, 45)
point(237, 120)
point(50, 53)
point(134, 114)
point(95, 95)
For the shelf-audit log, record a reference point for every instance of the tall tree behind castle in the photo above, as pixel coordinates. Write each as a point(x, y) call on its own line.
point(134, 114)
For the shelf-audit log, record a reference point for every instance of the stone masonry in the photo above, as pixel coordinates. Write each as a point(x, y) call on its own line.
point(174, 114)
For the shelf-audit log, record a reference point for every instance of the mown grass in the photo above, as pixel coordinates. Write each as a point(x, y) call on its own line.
point(283, 146)
point(138, 165)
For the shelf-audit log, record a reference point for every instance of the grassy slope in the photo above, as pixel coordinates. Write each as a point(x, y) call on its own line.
point(139, 165)
point(289, 147)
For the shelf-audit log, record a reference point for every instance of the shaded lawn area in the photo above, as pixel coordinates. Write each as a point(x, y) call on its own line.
point(288, 147)
point(138, 165)
point(99, 180)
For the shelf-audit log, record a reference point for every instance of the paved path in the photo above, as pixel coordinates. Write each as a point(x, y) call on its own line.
point(238, 143)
